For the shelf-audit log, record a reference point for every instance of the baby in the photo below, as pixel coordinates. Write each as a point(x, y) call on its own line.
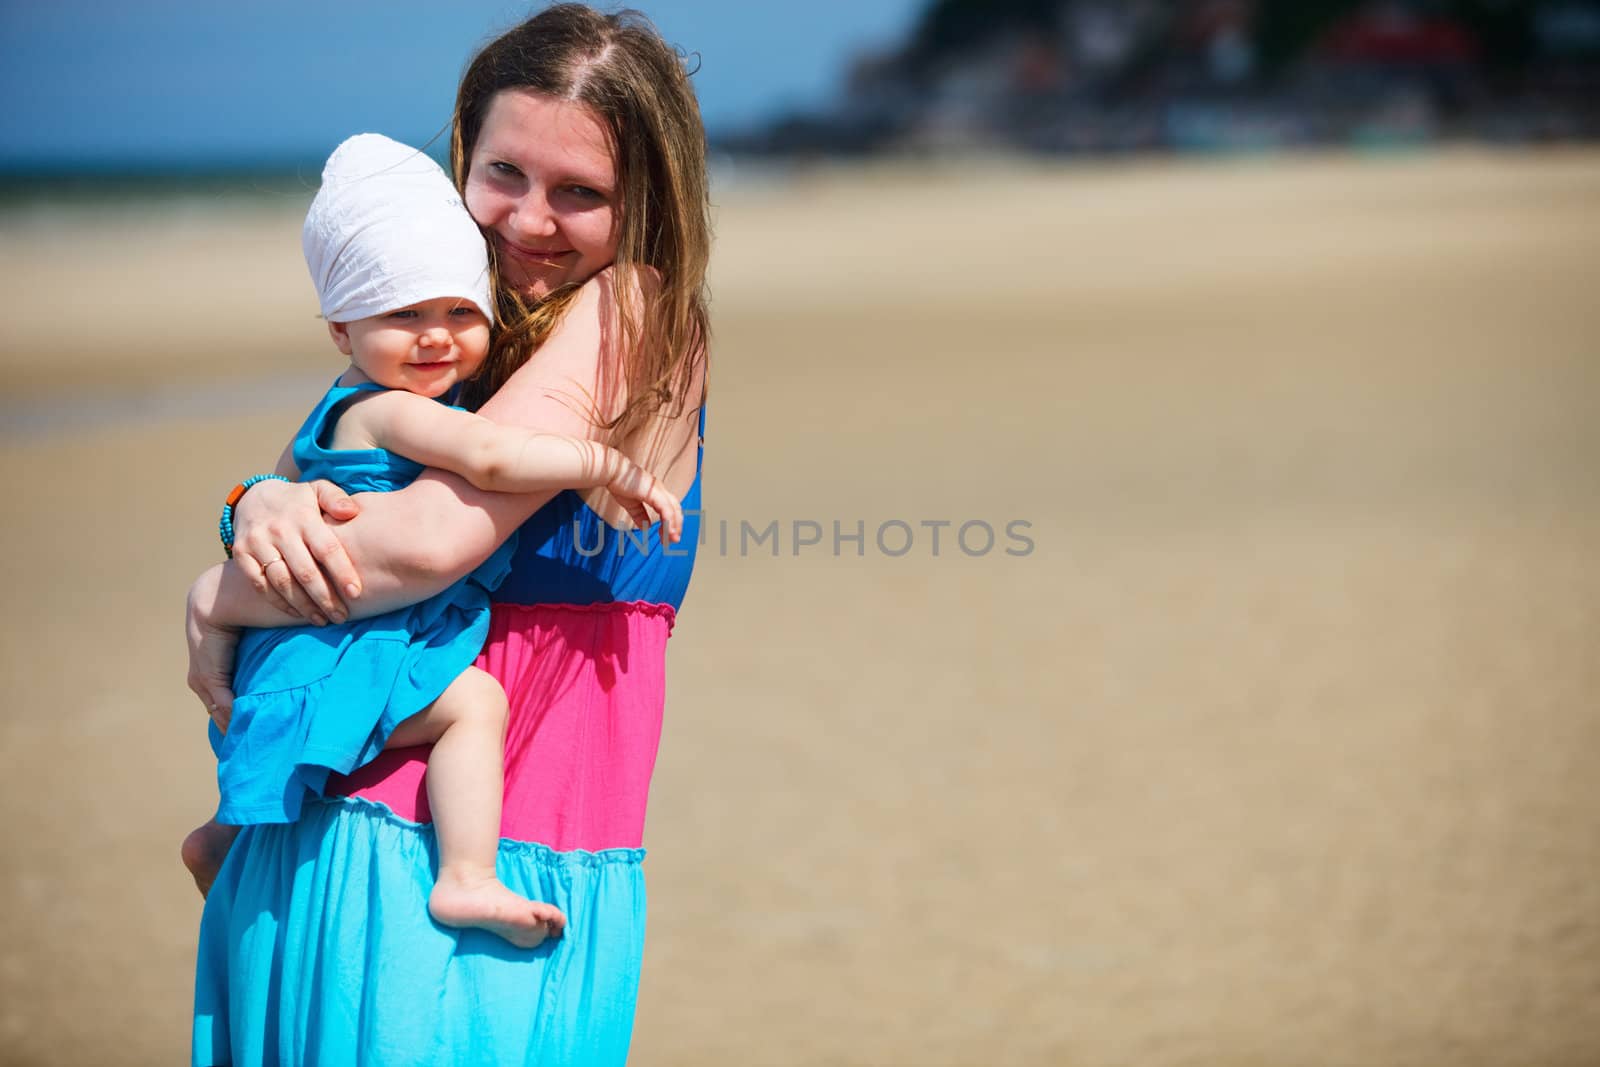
point(403, 278)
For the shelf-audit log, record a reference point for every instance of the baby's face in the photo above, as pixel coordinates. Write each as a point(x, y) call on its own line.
point(425, 348)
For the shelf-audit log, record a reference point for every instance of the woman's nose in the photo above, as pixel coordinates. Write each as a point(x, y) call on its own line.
point(533, 217)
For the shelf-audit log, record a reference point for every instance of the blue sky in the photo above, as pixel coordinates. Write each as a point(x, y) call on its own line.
point(191, 83)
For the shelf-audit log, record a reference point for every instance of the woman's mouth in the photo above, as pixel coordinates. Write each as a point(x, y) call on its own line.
point(535, 255)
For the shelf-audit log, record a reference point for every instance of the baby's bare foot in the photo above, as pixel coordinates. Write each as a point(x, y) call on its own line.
point(482, 902)
point(204, 850)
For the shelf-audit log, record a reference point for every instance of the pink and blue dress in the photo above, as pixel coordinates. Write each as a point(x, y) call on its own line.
point(316, 946)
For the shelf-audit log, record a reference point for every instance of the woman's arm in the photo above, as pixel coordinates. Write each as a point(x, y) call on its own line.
point(414, 542)
point(213, 634)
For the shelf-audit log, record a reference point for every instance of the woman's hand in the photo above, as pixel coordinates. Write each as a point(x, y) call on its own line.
point(211, 649)
point(285, 547)
point(634, 488)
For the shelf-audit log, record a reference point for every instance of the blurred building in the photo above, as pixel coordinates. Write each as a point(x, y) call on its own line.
point(1097, 76)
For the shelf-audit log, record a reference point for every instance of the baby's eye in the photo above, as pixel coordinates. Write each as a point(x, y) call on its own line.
point(404, 313)
point(464, 310)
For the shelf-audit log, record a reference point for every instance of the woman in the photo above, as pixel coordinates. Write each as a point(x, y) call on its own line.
point(578, 149)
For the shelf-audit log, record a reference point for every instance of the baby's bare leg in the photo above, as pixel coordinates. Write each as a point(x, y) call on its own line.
point(204, 850)
point(467, 727)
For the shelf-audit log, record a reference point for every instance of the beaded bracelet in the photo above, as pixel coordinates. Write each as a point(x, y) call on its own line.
point(225, 524)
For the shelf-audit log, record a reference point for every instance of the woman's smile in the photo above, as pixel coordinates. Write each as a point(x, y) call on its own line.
point(542, 255)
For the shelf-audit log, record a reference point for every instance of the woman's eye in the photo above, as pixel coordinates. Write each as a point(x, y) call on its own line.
point(584, 192)
point(504, 169)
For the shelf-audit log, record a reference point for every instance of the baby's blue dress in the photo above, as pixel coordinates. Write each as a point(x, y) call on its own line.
point(312, 700)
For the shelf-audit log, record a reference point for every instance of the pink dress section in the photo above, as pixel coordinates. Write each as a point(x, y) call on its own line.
point(587, 685)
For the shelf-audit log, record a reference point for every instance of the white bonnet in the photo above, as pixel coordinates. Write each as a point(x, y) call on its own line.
point(387, 230)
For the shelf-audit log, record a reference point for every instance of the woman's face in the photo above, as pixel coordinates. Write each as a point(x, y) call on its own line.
point(541, 180)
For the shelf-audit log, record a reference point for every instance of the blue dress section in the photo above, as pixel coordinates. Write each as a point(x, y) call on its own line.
point(310, 700)
point(317, 951)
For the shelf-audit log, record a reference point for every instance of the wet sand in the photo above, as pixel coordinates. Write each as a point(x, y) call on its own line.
point(1276, 748)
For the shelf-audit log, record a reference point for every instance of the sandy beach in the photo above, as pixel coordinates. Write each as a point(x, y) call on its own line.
point(1274, 747)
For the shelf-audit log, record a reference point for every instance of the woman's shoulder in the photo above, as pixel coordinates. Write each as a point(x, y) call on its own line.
point(577, 382)
point(568, 386)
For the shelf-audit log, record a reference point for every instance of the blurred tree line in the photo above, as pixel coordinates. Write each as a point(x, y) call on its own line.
point(1283, 29)
point(1096, 76)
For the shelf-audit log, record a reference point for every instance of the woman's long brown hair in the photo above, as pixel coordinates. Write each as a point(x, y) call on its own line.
point(619, 67)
